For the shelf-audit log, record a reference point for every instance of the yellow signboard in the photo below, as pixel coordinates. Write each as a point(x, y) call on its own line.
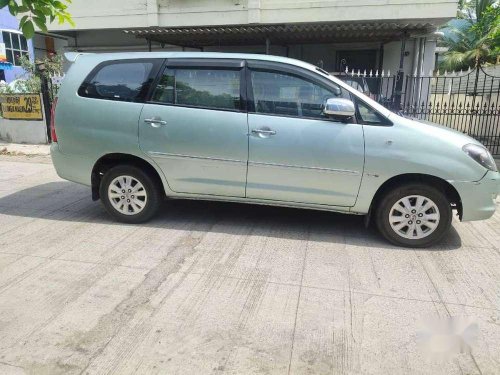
point(21, 106)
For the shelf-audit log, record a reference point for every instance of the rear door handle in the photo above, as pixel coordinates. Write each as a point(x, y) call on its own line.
point(263, 132)
point(155, 122)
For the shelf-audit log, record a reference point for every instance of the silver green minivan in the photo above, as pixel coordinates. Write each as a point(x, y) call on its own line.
point(138, 127)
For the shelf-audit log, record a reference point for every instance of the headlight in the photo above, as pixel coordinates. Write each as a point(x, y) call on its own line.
point(481, 155)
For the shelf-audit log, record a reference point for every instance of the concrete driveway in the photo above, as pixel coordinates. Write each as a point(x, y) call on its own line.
point(228, 288)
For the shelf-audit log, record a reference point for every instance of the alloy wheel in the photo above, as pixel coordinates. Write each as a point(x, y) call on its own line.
point(127, 195)
point(414, 217)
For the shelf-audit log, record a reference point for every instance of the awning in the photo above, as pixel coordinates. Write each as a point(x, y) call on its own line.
point(284, 34)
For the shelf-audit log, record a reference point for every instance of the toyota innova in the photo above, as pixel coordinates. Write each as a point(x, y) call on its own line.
point(138, 127)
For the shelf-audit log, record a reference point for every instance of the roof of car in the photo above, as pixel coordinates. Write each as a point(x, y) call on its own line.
point(72, 56)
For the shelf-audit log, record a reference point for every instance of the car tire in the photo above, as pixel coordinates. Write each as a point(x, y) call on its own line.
point(129, 194)
point(413, 215)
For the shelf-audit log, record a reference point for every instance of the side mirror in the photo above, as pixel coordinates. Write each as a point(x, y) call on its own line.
point(340, 108)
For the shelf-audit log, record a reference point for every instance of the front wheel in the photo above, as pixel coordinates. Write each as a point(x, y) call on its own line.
point(414, 215)
point(129, 194)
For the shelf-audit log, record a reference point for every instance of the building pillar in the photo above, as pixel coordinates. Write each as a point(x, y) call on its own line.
point(253, 11)
point(418, 79)
point(152, 9)
point(398, 89)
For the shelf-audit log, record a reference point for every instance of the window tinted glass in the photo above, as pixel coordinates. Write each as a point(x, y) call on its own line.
point(198, 87)
point(6, 39)
point(17, 56)
point(164, 90)
point(369, 116)
point(15, 41)
point(15, 47)
point(24, 43)
point(10, 56)
point(208, 88)
point(118, 81)
point(288, 95)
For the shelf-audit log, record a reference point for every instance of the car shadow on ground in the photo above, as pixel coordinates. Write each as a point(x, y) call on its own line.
point(66, 201)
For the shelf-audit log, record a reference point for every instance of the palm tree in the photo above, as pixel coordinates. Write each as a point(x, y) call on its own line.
point(473, 39)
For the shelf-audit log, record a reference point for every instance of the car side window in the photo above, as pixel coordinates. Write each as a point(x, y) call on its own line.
point(284, 94)
point(200, 87)
point(369, 116)
point(165, 88)
point(121, 81)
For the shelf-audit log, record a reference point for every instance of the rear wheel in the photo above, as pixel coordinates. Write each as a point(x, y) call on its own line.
point(414, 215)
point(129, 194)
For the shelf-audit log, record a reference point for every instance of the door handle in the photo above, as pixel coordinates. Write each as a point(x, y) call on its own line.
point(155, 122)
point(263, 132)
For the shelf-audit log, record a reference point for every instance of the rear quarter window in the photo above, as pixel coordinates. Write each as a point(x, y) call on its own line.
point(120, 80)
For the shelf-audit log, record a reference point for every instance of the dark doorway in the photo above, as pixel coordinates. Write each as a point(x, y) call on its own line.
point(2, 75)
point(362, 59)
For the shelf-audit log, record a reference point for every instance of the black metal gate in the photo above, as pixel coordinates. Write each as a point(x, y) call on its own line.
point(465, 101)
point(48, 90)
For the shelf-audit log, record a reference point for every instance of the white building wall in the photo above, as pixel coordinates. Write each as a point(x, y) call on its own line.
point(115, 14)
point(40, 47)
point(100, 23)
point(429, 57)
point(22, 131)
point(354, 10)
point(392, 53)
point(105, 14)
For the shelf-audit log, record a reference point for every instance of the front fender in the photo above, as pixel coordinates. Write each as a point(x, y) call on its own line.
point(408, 147)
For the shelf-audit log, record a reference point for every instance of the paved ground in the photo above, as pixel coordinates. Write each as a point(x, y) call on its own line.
point(226, 288)
point(23, 149)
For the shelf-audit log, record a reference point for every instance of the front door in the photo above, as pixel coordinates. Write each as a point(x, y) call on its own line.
point(296, 154)
point(195, 127)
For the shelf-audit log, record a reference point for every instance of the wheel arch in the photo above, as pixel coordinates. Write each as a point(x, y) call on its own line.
point(108, 161)
point(449, 190)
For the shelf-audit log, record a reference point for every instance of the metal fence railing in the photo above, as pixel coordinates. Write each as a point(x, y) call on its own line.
point(464, 101)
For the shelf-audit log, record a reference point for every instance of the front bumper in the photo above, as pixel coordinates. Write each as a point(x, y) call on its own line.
point(478, 198)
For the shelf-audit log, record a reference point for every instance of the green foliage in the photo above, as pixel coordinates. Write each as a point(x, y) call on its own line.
point(38, 13)
point(31, 80)
point(481, 7)
point(472, 9)
point(473, 40)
